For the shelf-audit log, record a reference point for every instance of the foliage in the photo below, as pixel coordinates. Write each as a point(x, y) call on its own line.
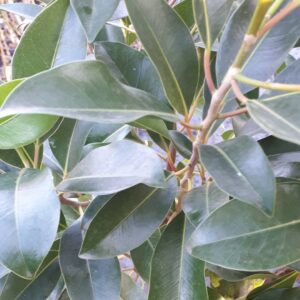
point(118, 179)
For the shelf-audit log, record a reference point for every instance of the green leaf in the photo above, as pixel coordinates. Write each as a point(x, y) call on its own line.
point(28, 11)
point(13, 286)
point(131, 67)
point(60, 92)
point(234, 166)
point(130, 290)
point(183, 145)
point(87, 279)
point(278, 115)
point(129, 164)
point(280, 294)
point(29, 219)
point(20, 130)
point(93, 14)
point(127, 220)
point(185, 10)
point(233, 36)
point(217, 13)
point(142, 255)
point(55, 37)
point(239, 236)
point(175, 274)
point(174, 57)
point(68, 141)
point(42, 286)
point(200, 202)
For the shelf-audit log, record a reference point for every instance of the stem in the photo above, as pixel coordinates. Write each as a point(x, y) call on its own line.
point(233, 113)
point(23, 158)
point(207, 71)
point(279, 17)
point(272, 10)
point(268, 85)
point(187, 125)
point(36, 157)
point(238, 93)
point(72, 203)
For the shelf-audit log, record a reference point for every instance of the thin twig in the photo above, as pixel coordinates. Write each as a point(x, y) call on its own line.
point(73, 203)
point(233, 113)
point(238, 93)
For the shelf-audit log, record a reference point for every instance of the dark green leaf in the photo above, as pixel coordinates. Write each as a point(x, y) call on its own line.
point(127, 220)
point(181, 143)
point(13, 286)
point(174, 57)
point(20, 130)
point(234, 165)
point(217, 12)
point(129, 164)
point(280, 294)
point(42, 286)
point(185, 10)
point(200, 202)
point(29, 220)
point(29, 11)
point(93, 14)
point(68, 141)
point(54, 38)
point(61, 92)
point(87, 279)
point(175, 274)
point(239, 236)
point(142, 255)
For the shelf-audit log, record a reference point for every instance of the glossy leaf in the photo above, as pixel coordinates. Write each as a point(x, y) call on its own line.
point(60, 92)
point(142, 255)
point(28, 11)
point(280, 294)
point(217, 13)
point(93, 14)
point(87, 279)
point(251, 241)
point(233, 165)
point(200, 202)
point(181, 143)
point(60, 42)
point(185, 10)
point(278, 115)
point(13, 286)
point(42, 286)
point(175, 58)
point(129, 164)
point(127, 220)
point(175, 274)
point(68, 141)
point(130, 290)
point(24, 212)
point(20, 130)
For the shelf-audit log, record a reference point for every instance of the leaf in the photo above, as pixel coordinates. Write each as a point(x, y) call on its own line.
point(181, 143)
point(29, 220)
point(232, 37)
point(280, 294)
point(87, 279)
point(174, 58)
point(185, 10)
point(129, 164)
point(42, 286)
point(131, 67)
point(93, 14)
point(142, 255)
point(217, 13)
point(28, 11)
point(60, 92)
point(127, 220)
point(233, 165)
point(13, 286)
point(200, 202)
point(130, 290)
point(135, 69)
point(54, 38)
point(239, 236)
point(68, 141)
point(175, 274)
point(278, 115)
point(120, 12)
point(20, 130)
